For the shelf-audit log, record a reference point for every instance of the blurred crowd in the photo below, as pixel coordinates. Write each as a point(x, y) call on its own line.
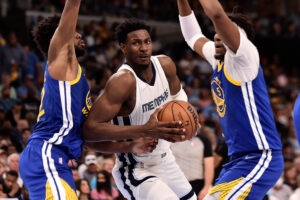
point(22, 68)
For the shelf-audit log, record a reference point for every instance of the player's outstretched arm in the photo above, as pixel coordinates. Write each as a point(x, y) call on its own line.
point(225, 28)
point(190, 28)
point(61, 52)
point(137, 146)
point(118, 89)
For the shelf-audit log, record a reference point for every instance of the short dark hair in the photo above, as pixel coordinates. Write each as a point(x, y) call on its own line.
point(12, 173)
point(245, 23)
point(129, 26)
point(43, 33)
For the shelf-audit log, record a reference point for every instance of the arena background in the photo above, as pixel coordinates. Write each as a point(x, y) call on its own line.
point(277, 26)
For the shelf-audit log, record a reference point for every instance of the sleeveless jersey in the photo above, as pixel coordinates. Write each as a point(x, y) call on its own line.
point(149, 97)
point(245, 113)
point(64, 107)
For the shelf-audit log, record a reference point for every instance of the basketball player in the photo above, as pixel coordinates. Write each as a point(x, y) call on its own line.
point(140, 86)
point(65, 102)
point(64, 106)
point(242, 101)
point(296, 117)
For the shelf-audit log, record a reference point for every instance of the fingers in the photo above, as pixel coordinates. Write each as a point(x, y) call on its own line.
point(173, 138)
point(177, 124)
point(156, 112)
point(174, 131)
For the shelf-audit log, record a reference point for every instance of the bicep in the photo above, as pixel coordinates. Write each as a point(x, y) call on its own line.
point(110, 101)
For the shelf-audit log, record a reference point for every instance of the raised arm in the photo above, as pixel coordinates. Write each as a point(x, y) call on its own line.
point(225, 28)
point(190, 28)
point(61, 54)
point(118, 90)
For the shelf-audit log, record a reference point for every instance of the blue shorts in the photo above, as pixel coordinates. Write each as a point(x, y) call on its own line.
point(249, 176)
point(45, 172)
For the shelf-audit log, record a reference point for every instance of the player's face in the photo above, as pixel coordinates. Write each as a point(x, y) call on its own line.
point(220, 48)
point(80, 45)
point(138, 48)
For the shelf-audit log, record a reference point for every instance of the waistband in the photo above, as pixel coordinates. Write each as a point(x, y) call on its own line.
point(36, 143)
point(239, 155)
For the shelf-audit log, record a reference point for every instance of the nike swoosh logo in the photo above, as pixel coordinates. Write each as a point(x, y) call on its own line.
point(249, 157)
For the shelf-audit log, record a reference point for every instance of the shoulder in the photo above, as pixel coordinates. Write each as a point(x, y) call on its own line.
point(120, 84)
point(122, 77)
point(168, 65)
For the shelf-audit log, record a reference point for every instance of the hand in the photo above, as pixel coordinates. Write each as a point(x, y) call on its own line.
point(143, 145)
point(72, 163)
point(15, 188)
point(171, 131)
point(203, 193)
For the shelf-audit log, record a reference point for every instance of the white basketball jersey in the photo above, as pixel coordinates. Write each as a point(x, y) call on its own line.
point(149, 97)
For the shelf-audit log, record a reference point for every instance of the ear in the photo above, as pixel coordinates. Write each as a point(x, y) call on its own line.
point(123, 47)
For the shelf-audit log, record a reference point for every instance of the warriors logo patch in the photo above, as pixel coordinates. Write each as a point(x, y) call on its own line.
point(218, 96)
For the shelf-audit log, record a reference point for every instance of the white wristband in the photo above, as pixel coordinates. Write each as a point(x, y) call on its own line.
point(190, 29)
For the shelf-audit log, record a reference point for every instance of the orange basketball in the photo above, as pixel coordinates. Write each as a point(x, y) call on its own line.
point(181, 111)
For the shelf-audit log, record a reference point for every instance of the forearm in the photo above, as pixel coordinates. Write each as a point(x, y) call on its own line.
point(110, 147)
point(212, 8)
point(184, 7)
point(93, 131)
point(208, 171)
point(68, 21)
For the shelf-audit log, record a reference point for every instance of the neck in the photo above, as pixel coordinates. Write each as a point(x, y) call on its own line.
point(143, 71)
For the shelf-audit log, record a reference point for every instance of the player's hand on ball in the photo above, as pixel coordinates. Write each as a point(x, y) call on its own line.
point(172, 131)
point(143, 145)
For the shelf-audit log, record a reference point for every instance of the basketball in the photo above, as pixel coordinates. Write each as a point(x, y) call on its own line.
point(181, 111)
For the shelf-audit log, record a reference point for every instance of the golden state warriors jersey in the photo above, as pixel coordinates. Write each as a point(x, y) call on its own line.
point(245, 113)
point(63, 109)
point(149, 97)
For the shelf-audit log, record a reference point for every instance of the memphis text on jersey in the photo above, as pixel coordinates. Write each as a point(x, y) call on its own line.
point(156, 102)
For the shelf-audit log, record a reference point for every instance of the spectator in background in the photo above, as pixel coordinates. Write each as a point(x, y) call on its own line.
point(83, 189)
point(10, 186)
point(14, 58)
point(91, 170)
point(24, 194)
point(196, 161)
point(104, 189)
point(3, 168)
point(296, 193)
point(13, 164)
point(290, 175)
point(16, 114)
point(32, 99)
point(6, 81)
point(26, 133)
point(75, 173)
point(2, 194)
point(33, 66)
point(6, 101)
point(297, 164)
point(280, 190)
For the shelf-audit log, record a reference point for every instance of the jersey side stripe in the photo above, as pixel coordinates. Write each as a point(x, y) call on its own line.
point(69, 112)
point(52, 183)
point(65, 121)
point(252, 123)
point(254, 175)
point(52, 174)
point(256, 117)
